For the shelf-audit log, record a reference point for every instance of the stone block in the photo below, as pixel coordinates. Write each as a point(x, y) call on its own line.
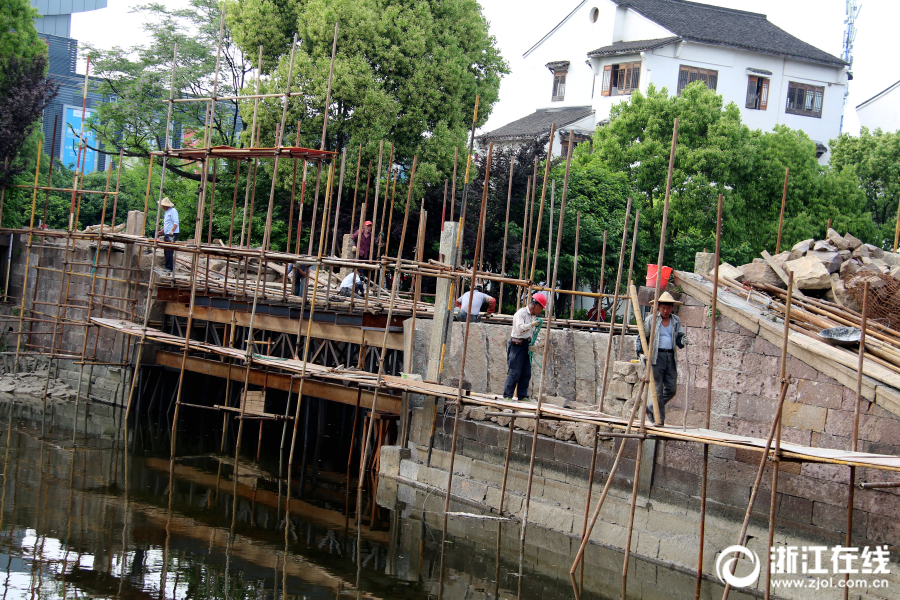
point(891, 259)
point(809, 273)
point(584, 434)
point(135, 223)
point(761, 273)
point(585, 363)
point(830, 259)
point(852, 242)
point(819, 394)
point(842, 296)
point(618, 389)
point(804, 416)
point(731, 272)
point(704, 262)
point(837, 240)
point(803, 247)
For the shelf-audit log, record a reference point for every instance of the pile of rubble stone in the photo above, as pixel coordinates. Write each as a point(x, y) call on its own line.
point(820, 267)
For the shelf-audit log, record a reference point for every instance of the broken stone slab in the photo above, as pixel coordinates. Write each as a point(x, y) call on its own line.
point(852, 242)
point(826, 246)
point(624, 368)
point(891, 259)
point(619, 389)
point(844, 254)
point(730, 271)
point(829, 258)
point(556, 401)
point(849, 267)
point(584, 434)
point(875, 251)
point(782, 257)
point(704, 263)
point(565, 432)
point(842, 296)
point(837, 239)
point(861, 252)
point(809, 273)
point(803, 247)
point(761, 273)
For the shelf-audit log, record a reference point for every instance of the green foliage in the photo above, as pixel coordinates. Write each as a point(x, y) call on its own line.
point(873, 160)
point(405, 72)
point(717, 154)
point(18, 36)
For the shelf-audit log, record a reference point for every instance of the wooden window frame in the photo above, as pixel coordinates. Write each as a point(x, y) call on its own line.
point(688, 74)
point(614, 75)
point(805, 100)
point(758, 92)
point(559, 85)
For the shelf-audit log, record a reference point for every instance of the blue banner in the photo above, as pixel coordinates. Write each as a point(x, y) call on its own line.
point(71, 140)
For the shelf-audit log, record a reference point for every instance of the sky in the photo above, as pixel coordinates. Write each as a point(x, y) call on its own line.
point(518, 24)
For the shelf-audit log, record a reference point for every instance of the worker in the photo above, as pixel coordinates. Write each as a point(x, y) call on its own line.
point(298, 277)
point(478, 300)
point(362, 238)
point(592, 314)
point(169, 231)
point(349, 283)
point(517, 359)
point(669, 334)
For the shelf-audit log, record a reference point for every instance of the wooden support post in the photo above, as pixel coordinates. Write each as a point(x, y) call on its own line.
point(787, 172)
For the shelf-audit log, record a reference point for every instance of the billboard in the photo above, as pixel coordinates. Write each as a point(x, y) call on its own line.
point(72, 138)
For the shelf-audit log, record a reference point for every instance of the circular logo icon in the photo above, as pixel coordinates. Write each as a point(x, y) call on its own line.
point(724, 564)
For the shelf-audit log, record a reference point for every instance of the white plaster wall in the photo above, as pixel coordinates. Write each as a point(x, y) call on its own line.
point(882, 112)
point(632, 26)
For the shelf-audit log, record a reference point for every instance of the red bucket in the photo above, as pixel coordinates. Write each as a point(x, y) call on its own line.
point(651, 276)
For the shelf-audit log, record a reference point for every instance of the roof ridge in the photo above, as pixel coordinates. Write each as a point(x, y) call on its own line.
point(701, 4)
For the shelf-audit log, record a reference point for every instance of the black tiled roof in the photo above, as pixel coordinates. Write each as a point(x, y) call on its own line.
point(557, 65)
point(537, 123)
point(715, 25)
point(632, 47)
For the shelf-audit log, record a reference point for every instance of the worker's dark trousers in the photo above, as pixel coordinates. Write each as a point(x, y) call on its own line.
point(461, 316)
point(519, 371)
point(170, 254)
point(665, 373)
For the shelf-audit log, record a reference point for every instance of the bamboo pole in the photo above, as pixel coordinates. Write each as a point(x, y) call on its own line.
point(412, 178)
point(787, 172)
point(465, 196)
point(384, 206)
point(537, 233)
point(512, 166)
point(627, 320)
point(373, 246)
point(300, 208)
point(897, 228)
point(337, 210)
point(854, 440)
point(537, 412)
point(523, 245)
point(293, 191)
point(775, 428)
point(37, 173)
point(453, 187)
point(387, 246)
point(355, 190)
point(575, 263)
point(462, 367)
point(704, 477)
point(597, 316)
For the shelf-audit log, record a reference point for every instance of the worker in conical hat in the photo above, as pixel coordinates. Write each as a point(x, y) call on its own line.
point(669, 335)
point(169, 231)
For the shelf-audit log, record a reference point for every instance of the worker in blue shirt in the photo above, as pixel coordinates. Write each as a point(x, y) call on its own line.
point(169, 230)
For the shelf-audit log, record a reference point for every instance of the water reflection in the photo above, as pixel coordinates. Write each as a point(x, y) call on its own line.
point(89, 519)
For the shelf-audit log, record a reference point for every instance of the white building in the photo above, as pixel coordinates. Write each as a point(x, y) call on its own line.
point(604, 49)
point(880, 111)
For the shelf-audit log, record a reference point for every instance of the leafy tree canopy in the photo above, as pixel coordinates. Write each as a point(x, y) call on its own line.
point(18, 36)
point(404, 72)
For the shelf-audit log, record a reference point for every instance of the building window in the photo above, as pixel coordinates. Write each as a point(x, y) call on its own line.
point(688, 75)
point(805, 100)
point(757, 93)
point(595, 14)
point(559, 86)
point(620, 80)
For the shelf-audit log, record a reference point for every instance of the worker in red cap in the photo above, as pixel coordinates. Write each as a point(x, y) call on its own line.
point(520, 341)
point(363, 240)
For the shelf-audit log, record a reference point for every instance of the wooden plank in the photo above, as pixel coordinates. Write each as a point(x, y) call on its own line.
point(780, 272)
point(335, 392)
point(325, 331)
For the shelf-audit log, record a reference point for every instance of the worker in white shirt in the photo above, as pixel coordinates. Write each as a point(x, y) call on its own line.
point(169, 231)
point(351, 281)
point(517, 360)
point(478, 300)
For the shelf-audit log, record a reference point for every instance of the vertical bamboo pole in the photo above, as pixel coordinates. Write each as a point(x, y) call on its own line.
point(328, 92)
point(854, 440)
point(462, 367)
point(37, 173)
point(373, 253)
point(602, 275)
point(575, 265)
point(523, 244)
point(537, 411)
point(552, 301)
point(293, 191)
point(776, 426)
point(444, 204)
point(530, 218)
point(384, 205)
point(512, 166)
point(387, 246)
point(453, 185)
point(704, 478)
point(412, 178)
point(300, 208)
point(337, 210)
point(537, 233)
point(787, 172)
point(897, 228)
point(355, 190)
point(462, 210)
point(627, 321)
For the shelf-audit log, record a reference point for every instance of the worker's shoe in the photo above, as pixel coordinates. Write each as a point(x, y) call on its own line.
point(506, 399)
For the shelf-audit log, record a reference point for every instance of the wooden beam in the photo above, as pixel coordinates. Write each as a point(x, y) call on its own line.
point(324, 331)
point(320, 389)
point(779, 271)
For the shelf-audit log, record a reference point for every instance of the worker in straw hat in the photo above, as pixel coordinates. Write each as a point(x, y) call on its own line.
point(169, 231)
point(669, 334)
point(517, 354)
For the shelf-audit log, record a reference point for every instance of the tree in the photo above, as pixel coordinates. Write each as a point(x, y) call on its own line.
point(717, 154)
point(139, 78)
point(873, 159)
point(25, 91)
point(404, 72)
point(24, 87)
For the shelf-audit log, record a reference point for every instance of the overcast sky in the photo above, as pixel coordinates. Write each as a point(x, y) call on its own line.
point(518, 24)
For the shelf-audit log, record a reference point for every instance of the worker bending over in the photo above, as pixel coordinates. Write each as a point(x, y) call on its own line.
point(478, 300)
point(517, 359)
point(351, 281)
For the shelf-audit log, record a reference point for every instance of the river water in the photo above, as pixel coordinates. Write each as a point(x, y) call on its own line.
point(84, 516)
